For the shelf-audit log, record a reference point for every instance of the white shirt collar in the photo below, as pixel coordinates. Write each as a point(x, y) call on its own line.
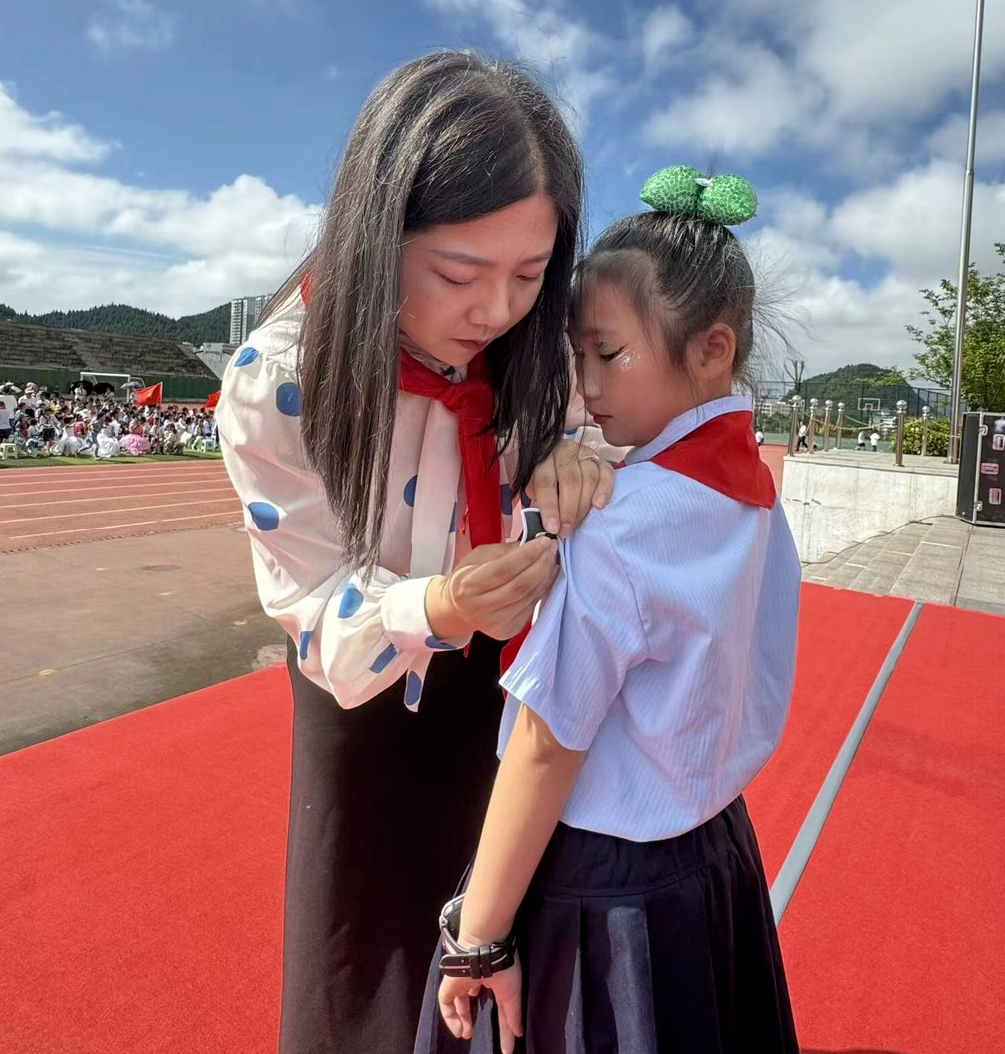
point(686, 423)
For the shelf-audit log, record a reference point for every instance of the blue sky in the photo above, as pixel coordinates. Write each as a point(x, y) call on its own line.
point(173, 153)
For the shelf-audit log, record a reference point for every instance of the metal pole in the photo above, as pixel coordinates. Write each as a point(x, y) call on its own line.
point(968, 208)
point(828, 404)
point(840, 425)
point(794, 423)
point(901, 409)
point(812, 429)
point(925, 411)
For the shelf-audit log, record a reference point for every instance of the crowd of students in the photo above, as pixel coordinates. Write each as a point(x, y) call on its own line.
point(43, 424)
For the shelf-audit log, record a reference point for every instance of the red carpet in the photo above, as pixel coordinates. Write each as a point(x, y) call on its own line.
point(843, 639)
point(143, 857)
point(142, 879)
point(895, 938)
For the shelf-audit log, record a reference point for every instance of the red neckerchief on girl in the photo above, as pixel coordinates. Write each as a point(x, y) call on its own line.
point(721, 454)
point(473, 402)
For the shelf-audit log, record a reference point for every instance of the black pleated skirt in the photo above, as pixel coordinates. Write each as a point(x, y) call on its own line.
point(644, 948)
point(385, 812)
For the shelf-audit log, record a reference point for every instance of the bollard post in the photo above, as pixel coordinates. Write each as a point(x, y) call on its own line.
point(901, 408)
point(811, 438)
point(828, 404)
point(839, 426)
point(925, 411)
point(797, 405)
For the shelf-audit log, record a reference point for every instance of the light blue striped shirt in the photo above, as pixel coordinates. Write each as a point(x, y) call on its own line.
point(666, 648)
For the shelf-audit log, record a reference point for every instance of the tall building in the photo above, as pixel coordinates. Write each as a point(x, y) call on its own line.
point(244, 312)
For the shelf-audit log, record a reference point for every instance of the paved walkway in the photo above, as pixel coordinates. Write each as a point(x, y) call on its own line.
point(943, 560)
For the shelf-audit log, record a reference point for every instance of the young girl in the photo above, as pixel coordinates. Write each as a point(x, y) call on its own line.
point(617, 856)
point(360, 425)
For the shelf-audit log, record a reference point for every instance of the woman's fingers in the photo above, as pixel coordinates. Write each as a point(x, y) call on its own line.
point(572, 480)
point(605, 485)
point(543, 490)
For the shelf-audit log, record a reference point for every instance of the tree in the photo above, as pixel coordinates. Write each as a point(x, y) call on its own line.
point(983, 380)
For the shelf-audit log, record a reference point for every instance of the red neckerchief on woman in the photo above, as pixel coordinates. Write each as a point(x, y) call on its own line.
point(473, 402)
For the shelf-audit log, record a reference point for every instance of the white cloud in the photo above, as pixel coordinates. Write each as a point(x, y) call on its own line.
point(94, 239)
point(663, 30)
point(914, 223)
point(899, 57)
point(560, 46)
point(949, 140)
point(133, 25)
point(852, 80)
point(749, 111)
point(48, 136)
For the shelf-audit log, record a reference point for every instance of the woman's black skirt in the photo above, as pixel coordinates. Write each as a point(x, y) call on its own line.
point(645, 948)
point(385, 812)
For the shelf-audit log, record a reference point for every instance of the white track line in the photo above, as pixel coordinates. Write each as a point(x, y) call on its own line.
point(114, 486)
point(114, 527)
point(7, 506)
point(16, 477)
point(108, 512)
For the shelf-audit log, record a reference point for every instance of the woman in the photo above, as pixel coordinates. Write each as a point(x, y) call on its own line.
point(360, 426)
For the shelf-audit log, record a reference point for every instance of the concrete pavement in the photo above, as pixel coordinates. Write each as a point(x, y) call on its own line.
point(943, 560)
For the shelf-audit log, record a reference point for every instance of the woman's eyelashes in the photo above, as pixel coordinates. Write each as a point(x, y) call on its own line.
point(528, 278)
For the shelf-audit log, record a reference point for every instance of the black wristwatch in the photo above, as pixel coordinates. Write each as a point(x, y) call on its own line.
point(483, 961)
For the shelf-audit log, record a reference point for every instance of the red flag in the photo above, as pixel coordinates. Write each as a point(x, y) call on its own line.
point(211, 401)
point(152, 396)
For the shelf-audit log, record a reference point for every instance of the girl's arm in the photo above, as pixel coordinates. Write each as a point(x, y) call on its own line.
point(535, 779)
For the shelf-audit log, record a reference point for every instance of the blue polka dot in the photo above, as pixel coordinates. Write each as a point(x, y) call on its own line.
point(571, 431)
point(352, 601)
point(288, 399)
point(305, 642)
point(383, 659)
point(410, 490)
point(265, 516)
point(506, 499)
point(453, 519)
point(246, 356)
point(413, 689)
point(439, 645)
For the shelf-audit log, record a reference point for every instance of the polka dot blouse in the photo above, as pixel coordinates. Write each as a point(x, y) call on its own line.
point(354, 638)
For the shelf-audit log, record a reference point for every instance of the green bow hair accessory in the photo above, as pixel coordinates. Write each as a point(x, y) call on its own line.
point(684, 191)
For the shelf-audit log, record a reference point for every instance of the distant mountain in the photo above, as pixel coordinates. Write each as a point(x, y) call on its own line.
point(209, 327)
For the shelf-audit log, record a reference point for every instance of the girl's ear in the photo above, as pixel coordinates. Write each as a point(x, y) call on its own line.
point(711, 353)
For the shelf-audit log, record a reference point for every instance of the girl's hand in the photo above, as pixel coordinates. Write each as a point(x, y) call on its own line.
point(506, 987)
point(568, 483)
point(494, 590)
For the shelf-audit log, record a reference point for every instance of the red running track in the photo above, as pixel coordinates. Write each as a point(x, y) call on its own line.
point(56, 506)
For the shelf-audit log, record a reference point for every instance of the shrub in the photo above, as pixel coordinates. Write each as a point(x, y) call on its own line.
point(938, 436)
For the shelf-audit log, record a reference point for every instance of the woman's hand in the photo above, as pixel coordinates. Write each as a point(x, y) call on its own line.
point(572, 480)
point(493, 590)
point(506, 987)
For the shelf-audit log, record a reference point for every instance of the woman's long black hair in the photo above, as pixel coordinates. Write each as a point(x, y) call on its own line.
point(444, 139)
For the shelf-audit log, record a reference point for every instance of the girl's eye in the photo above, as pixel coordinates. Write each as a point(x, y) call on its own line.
point(450, 281)
point(531, 277)
point(607, 352)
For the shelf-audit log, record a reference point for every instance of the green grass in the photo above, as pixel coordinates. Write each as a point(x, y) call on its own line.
point(124, 459)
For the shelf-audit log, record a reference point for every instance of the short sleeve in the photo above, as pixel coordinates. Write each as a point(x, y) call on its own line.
point(588, 635)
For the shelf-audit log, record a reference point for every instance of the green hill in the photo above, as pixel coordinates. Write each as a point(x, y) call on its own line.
point(209, 327)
